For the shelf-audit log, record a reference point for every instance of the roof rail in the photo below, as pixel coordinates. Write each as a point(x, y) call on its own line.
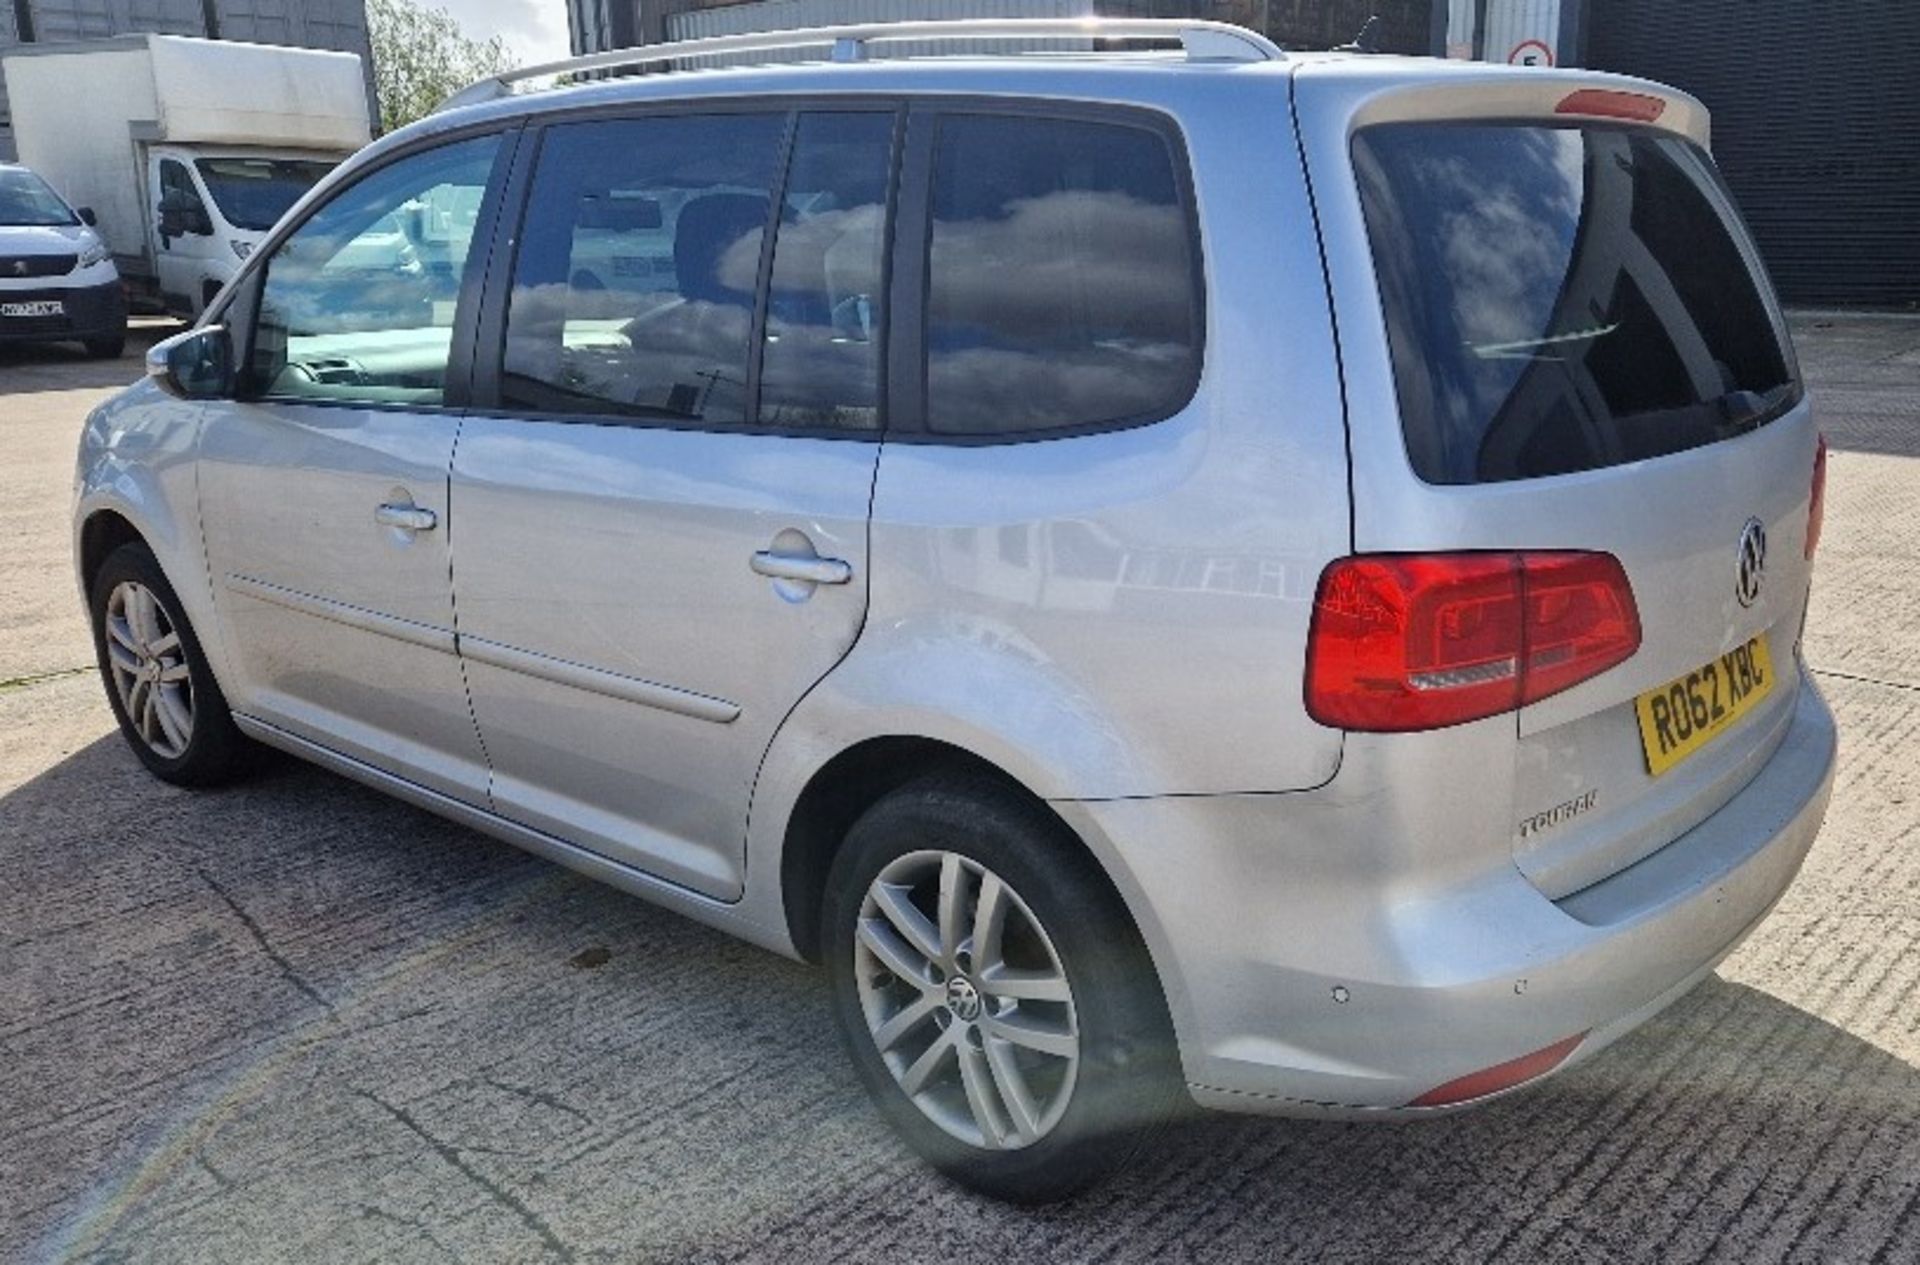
point(1203, 42)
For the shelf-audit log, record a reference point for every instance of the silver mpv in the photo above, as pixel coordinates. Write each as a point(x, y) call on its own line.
point(1179, 574)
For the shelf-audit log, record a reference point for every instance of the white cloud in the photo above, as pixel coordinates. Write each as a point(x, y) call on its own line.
point(536, 30)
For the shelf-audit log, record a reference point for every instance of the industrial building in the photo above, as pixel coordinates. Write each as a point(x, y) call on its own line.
point(1816, 120)
point(335, 24)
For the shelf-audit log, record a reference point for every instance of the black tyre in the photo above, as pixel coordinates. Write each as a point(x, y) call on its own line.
point(993, 993)
point(106, 348)
point(162, 692)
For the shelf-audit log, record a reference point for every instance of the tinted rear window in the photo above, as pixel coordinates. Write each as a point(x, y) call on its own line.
point(1061, 289)
point(1563, 298)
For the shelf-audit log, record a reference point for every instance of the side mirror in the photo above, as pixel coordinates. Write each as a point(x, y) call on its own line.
point(87, 216)
point(196, 365)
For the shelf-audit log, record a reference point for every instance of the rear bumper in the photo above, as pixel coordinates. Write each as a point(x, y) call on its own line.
point(1315, 966)
point(92, 312)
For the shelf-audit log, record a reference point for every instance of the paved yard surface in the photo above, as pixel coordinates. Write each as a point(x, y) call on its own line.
point(297, 1021)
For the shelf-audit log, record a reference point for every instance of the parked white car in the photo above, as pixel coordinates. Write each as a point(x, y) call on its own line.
point(57, 279)
point(1213, 575)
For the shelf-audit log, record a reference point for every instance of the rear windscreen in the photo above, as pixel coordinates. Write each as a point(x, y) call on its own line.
point(1563, 298)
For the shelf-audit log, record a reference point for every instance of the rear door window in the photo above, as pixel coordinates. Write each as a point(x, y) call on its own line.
point(1062, 289)
point(1564, 298)
point(643, 289)
point(634, 289)
point(820, 363)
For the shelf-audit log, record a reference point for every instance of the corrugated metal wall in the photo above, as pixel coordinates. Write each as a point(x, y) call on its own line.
point(1519, 30)
point(55, 20)
point(777, 15)
point(1816, 123)
point(334, 24)
point(1304, 23)
point(1405, 25)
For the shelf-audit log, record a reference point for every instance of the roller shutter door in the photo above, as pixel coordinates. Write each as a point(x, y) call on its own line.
point(1816, 123)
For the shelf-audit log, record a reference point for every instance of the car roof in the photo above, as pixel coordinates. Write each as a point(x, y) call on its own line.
point(1160, 80)
point(1119, 78)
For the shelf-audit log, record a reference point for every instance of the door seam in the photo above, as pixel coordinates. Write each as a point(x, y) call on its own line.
point(453, 611)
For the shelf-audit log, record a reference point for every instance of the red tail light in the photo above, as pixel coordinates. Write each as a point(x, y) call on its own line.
point(1609, 103)
point(1817, 506)
point(1420, 641)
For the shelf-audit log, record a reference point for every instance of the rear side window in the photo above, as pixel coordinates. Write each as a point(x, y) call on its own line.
point(1062, 286)
point(1563, 298)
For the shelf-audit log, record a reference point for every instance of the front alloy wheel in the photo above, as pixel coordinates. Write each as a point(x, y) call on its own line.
point(148, 666)
point(966, 1000)
point(162, 691)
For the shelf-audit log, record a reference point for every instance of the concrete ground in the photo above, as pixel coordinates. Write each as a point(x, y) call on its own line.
point(297, 1021)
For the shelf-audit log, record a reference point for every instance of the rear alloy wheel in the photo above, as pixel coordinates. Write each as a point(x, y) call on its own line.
point(968, 1005)
point(992, 991)
point(170, 708)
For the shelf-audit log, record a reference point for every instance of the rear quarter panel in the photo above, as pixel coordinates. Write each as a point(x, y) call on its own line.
point(1125, 613)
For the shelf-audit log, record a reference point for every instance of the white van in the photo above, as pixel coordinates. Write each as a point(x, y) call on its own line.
point(187, 149)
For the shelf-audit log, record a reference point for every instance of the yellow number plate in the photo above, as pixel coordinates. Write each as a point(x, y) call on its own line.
point(1684, 715)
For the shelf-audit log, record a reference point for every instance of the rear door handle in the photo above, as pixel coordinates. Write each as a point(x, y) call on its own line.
point(406, 517)
point(790, 566)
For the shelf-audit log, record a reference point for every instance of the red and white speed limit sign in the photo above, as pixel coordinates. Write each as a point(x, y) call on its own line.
point(1530, 53)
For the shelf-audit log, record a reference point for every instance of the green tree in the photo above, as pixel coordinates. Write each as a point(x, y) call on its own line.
point(421, 57)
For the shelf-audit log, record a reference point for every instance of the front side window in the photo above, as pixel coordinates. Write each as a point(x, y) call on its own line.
point(253, 193)
point(633, 292)
point(181, 210)
point(26, 201)
point(1563, 298)
point(175, 180)
point(359, 302)
point(1062, 283)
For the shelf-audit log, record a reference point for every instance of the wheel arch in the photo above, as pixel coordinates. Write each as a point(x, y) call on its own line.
point(102, 532)
point(860, 775)
point(833, 798)
point(151, 498)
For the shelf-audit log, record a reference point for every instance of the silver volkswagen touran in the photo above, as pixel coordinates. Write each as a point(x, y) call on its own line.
point(1179, 572)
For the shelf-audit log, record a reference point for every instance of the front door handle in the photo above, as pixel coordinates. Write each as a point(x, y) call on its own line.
point(406, 517)
point(803, 567)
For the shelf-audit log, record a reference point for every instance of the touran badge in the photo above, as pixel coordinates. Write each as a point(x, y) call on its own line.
point(1753, 562)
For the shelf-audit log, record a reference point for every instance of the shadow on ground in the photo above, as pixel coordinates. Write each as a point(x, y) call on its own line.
point(66, 366)
point(1863, 371)
point(297, 1020)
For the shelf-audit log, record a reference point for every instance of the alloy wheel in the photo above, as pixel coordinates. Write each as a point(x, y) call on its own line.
point(966, 1000)
point(148, 664)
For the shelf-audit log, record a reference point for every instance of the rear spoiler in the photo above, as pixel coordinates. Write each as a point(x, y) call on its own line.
point(1379, 90)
